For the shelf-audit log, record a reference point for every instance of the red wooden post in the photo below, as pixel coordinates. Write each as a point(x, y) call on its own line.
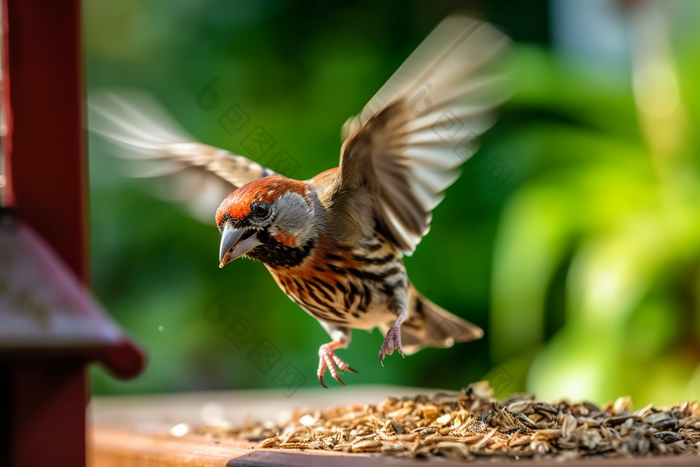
point(43, 91)
point(46, 184)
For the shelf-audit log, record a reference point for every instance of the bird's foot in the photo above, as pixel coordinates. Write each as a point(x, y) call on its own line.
point(328, 359)
point(392, 341)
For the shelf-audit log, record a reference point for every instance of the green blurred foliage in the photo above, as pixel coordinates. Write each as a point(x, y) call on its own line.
point(582, 268)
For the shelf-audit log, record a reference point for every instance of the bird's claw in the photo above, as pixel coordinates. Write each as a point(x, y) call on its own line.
point(392, 341)
point(329, 360)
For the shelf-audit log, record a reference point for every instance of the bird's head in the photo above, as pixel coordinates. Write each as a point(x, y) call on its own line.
point(273, 219)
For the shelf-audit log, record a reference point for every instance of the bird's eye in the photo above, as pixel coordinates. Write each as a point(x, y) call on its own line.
point(262, 209)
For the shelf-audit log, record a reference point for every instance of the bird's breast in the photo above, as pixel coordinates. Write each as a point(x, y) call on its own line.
point(349, 285)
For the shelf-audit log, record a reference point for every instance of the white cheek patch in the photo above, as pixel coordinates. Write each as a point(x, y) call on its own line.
point(294, 216)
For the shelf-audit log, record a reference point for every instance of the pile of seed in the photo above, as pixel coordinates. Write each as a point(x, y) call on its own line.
point(473, 423)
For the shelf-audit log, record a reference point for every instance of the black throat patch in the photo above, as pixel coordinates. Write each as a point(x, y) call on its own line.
point(278, 255)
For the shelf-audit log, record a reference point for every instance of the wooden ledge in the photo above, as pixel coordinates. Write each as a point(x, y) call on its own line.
point(135, 431)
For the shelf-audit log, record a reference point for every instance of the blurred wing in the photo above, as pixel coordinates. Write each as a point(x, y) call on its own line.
point(403, 150)
point(197, 174)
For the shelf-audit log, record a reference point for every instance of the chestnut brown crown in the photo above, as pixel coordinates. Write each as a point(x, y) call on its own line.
point(272, 219)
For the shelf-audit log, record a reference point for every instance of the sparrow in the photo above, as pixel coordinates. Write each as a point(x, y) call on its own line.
point(335, 243)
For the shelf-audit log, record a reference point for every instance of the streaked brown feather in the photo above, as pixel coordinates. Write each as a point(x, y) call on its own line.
point(197, 174)
point(394, 163)
point(429, 325)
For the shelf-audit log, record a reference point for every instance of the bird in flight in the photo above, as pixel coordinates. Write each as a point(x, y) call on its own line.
point(334, 243)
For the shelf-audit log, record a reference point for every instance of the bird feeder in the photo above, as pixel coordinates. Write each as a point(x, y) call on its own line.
point(50, 326)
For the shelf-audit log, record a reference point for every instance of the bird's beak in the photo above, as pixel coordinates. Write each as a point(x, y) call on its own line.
point(232, 247)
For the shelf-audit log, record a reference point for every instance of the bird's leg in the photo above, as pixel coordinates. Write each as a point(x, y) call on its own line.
point(327, 357)
point(392, 340)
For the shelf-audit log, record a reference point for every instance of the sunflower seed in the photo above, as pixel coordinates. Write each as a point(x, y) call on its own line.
point(474, 423)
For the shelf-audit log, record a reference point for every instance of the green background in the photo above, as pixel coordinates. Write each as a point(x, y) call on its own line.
point(583, 267)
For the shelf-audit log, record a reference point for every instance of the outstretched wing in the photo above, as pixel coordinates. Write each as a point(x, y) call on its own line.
point(402, 151)
point(197, 174)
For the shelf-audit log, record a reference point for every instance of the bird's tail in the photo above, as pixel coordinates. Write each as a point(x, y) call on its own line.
point(428, 325)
